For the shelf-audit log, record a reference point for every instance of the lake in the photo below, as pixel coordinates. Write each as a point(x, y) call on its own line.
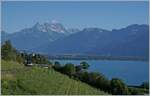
point(131, 72)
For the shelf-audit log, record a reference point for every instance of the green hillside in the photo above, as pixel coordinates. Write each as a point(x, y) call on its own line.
point(18, 79)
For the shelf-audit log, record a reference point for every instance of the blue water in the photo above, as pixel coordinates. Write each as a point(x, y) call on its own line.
point(131, 72)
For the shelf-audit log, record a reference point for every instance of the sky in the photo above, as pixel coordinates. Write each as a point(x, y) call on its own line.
point(107, 15)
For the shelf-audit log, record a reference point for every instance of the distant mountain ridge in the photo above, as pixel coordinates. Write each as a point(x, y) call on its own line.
point(54, 38)
point(38, 34)
point(132, 40)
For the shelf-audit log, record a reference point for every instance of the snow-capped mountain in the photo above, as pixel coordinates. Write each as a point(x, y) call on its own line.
point(55, 27)
point(54, 38)
point(51, 27)
point(129, 41)
point(38, 34)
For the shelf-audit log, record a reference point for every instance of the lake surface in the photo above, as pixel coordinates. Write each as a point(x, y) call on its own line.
point(131, 72)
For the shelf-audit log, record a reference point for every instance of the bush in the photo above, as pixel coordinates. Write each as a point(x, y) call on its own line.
point(78, 68)
point(136, 91)
point(118, 87)
point(57, 66)
point(145, 85)
point(69, 69)
point(92, 78)
point(103, 83)
point(8, 52)
point(84, 65)
point(83, 76)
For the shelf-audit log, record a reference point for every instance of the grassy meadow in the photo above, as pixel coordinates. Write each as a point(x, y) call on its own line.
point(18, 79)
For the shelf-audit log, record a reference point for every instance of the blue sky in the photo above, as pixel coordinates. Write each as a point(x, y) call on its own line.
point(107, 15)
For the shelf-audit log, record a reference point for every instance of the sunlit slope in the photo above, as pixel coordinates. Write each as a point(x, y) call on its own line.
point(17, 79)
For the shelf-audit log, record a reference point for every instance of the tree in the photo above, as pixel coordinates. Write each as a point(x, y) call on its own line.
point(8, 52)
point(103, 83)
point(78, 68)
point(93, 77)
point(83, 76)
point(84, 65)
point(145, 85)
point(19, 58)
point(69, 69)
point(37, 59)
point(136, 91)
point(118, 87)
point(57, 66)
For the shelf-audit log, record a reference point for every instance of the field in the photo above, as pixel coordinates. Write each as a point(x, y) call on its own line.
point(18, 79)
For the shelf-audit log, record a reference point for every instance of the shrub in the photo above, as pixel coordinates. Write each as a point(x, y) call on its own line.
point(103, 83)
point(118, 87)
point(69, 69)
point(145, 85)
point(78, 68)
point(57, 66)
point(8, 52)
point(84, 65)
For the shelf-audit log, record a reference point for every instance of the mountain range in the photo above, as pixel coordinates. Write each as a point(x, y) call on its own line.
point(54, 38)
point(38, 34)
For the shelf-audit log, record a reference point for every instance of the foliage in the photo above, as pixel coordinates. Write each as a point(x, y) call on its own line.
point(19, 85)
point(138, 91)
point(84, 65)
point(145, 85)
point(19, 58)
point(83, 76)
point(69, 69)
point(97, 80)
point(8, 52)
point(103, 83)
point(78, 68)
point(10, 65)
point(38, 59)
point(40, 81)
point(118, 87)
point(18, 79)
point(57, 66)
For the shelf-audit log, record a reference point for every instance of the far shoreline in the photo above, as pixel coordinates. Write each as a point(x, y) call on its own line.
point(123, 58)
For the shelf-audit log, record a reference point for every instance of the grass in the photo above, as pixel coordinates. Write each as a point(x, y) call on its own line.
point(21, 80)
point(8, 65)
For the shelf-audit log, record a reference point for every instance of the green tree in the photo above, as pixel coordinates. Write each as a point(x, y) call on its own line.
point(69, 69)
point(92, 78)
point(84, 65)
point(145, 85)
point(7, 51)
point(103, 83)
point(19, 58)
point(78, 68)
point(118, 87)
point(83, 76)
point(57, 66)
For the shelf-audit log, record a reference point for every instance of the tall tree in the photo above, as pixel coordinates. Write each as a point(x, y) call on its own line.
point(69, 69)
point(8, 52)
point(118, 87)
point(85, 65)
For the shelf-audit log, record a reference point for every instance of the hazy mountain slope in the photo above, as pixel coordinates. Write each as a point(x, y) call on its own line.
point(129, 41)
point(30, 38)
point(75, 43)
point(54, 38)
point(39, 34)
